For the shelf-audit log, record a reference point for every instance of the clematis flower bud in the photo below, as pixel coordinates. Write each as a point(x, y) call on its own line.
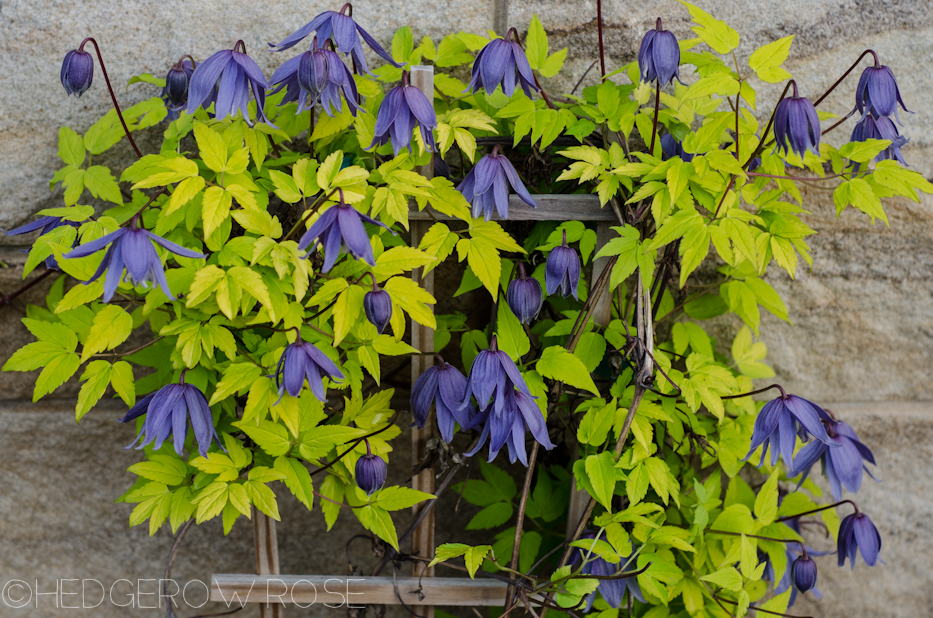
point(370, 472)
point(856, 532)
point(525, 296)
point(659, 56)
point(562, 271)
point(378, 306)
point(803, 570)
point(796, 125)
point(77, 72)
point(877, 92)
point(176, 84)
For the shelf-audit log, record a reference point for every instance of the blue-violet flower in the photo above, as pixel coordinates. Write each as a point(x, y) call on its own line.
point(487, 186)
point(842, 464)
point(301, 360)
point(402, 109)
point(318, 75)
point(234, 74)
point(796, 125)
point(500, 63)
point(168, 411)
point(370, 472)
point(524, 296)
point(659, 56)
point(47, 224)
point(877, 92)
point(562, 270)
point(77, 72)
point(779, 423)
point(340, 225)
point(858, 533)
point(443, 386)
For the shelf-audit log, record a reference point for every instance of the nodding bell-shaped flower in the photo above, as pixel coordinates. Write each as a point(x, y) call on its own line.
point(46, 224)
point(506, 407)
point(803, 570)
point(443, 386)
point(796, 125)
point(562, 270)
point(378, 307)
point(370, 472)
point(234, 74)
point(857, 533)
point(404, 108)
point(344, 32)
point(132, 248)
point(501, 63)
point(877, 92)
point(659, 56)
point(870, 127)
point(177, 81)
point(318, 75)
point(524, 296)
point(613, 590)
point(302, 360)
point(340, 225)
point(169, 411)
point(487, 186)
point(779, 423)
point(670, 148)
point(77, 71)
point(842, 464)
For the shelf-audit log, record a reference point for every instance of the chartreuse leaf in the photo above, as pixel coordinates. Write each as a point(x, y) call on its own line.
point(110, 328)
point(414, 300)
point(96, 377)
point(472, 556)
point(715, 33)
point(397, 498)
point(766, 61)
point(728, 578)
point(766, 503)
point(297, 479)
point(510, 334)
point(632, 255)
point(559, 364)
point(601, 472)
point(70, 147)
point(378, 521)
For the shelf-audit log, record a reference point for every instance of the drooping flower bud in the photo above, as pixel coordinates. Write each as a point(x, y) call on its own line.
point(659, 56)
point(378, 306)
point(313, 71)
point(562, 271)
point(858, 533)
point(803, 570)
point(877, 92)
point(176, 84)
point(796, 125)
point(77, 72)
point(525, 296)
point(370, 472)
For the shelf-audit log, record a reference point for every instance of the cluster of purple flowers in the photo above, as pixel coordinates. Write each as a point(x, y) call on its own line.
point(876, 98)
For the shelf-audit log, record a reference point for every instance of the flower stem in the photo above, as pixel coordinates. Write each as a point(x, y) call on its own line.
point(353, 446)
point(599, 31)
point(113, 97)
point(763, 538)
point(522, 504)
point(657, 109)
point(846, 74)
point(760, 390)
point(822, 508)
point(758, 609)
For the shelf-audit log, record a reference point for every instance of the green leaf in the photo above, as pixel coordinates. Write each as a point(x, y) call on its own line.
point(398, 498)
point(766, 60)
point(100, 182)
point(601, 471)
point(413, 299)
point(378, 521)
point(211, 147)
point(271, 437)
point(492, 516)
point(166, 469)
point(715, 33)
point(859, 194)
point(559, 364)
point(263, 497)
point(510, 334)
point(111, 327)
point(727, 578)
point(70, 146)
point(596, 423)
point(297, 479)
point(536, 43)
point(237, 377)
point(97, 376)
point(766, 503)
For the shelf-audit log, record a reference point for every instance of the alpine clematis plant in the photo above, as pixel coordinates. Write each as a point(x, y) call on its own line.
point(234, 75)
point(170, 411)
point(501, 63)
point(77, 71)
point(344, 32)
point(486, 187)
point(304, 361)
point(131, 248)
point(441, 385)
point(621, 393)
point(316, 76)
point(403, 109)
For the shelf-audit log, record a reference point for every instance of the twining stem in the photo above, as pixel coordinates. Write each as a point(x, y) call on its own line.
point(113, 97)
point(520, 520)
point(763, 538)
point(822, 508)
point(846, 74)
point(353, 446)
point(716, 597)
point(760, 390)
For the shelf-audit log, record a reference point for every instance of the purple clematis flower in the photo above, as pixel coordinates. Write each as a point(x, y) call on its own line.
point(842, 465)
point(47, 224)
point(344, 32)
point(487, 186)
point(131, 247)
point(378, 307)
point(404, 108)
point(318, 75)
point(524, 296)
point(613, 590)
point(500, 63)
point(234, 74)
point(302, 360)
point(671, 148)
point(856, 532)
point(341, 224)
point(562, 270)
point(796, 125)
point(441, 385)
point(779, 423)
point(371, 472)
point(870, 127)
point(77, 71)
point(506, 406)
point(659, 56)
point(877, 92)
point(168, 411)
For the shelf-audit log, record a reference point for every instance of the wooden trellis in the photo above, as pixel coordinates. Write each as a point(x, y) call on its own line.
point(422, 591)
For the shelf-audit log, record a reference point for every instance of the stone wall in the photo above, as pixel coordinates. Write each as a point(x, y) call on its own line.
point(862, 337)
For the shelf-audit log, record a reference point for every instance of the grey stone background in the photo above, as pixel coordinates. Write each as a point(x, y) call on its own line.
point(862, 339)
